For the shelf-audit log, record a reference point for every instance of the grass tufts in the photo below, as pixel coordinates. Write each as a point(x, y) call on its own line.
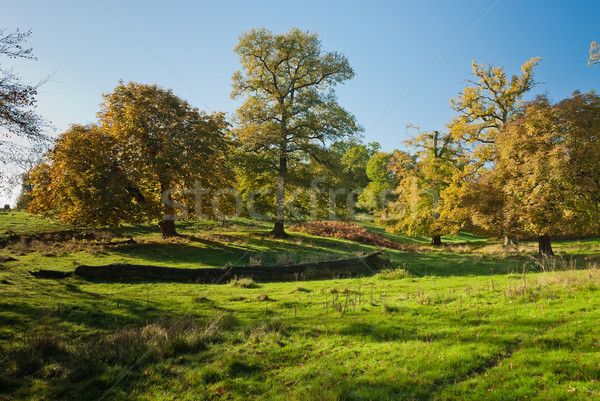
point(243, 283)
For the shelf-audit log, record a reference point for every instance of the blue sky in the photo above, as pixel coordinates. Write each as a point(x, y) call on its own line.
point(415, 55)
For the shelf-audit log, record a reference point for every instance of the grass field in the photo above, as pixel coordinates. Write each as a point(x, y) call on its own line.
point(468, 321)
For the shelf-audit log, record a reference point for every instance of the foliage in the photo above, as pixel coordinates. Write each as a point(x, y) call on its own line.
point(594, 54)
point(487, 105)
point(21, 127)
point(381, 182)
point(290, 111)
point(424, 203)
point(149, 143)
point(81, 183)
point(548, 168)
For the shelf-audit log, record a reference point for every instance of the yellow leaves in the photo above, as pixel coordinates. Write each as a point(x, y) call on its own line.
point(594, 54)
point(149, 141)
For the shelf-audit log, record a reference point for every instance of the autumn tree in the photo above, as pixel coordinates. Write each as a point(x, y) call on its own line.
point(421, 207)
point(485, 106)
point(289, 109)
point(144, 161)
point(81, 183)
point(549, 170)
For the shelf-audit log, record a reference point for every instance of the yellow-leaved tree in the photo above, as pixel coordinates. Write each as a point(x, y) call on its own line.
point(149, 151)
point(548, 169)
point(485, 106)
point(422, 206)
point(81, 183)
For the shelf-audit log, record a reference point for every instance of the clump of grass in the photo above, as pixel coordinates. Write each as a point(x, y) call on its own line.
point(31, 354)
point(393, 274)
point(243, 283)
point(48, 345)
point(460, 248)
point(256, 260)
point(589, 278)
point(209, 376)
point(285, 259)
point(6, 258)
point(53, 371)
point(218, 324)
point(387, 309)
point(299, 288)
point(263, 297)
point(237, 368)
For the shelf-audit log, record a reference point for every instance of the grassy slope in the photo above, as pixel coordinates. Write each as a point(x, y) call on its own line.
point(469, 324)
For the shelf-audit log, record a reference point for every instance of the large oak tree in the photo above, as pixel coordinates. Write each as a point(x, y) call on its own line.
point(149, 150)
point(290, 110)
point(548, 168)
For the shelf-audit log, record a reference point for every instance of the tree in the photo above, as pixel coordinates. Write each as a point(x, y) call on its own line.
point(141, 163)
point(381, 182)
point(421, 207)
point(81, 183)
point(18, 120)
point(548, 168)
point(485, 107)
point(594, 54)
point(21, 128)
point(289, 110)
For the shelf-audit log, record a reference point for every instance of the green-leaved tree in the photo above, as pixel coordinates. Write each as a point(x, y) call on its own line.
point(290, 110)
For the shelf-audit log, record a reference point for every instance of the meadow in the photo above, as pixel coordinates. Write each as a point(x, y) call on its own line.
point(470, 320)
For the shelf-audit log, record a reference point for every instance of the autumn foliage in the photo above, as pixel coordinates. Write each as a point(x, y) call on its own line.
point(348, 231)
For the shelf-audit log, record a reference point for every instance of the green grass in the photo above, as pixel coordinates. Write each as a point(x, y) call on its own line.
point(469, 321)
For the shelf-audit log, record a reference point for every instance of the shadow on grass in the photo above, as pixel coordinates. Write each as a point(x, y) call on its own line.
point(218, 250)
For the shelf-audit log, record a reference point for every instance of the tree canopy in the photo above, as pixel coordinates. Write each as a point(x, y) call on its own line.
point(547, 170)
point(149, 150)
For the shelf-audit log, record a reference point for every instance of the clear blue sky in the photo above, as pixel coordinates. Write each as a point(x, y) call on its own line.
point(394, 47)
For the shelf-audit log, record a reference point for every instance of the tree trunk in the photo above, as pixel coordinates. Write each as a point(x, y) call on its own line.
point(509, 241)
point(436, 240)
point(278, 231)
point(545, 245)
point(167, 228)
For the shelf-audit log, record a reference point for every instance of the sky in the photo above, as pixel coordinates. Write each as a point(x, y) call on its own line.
point(410, 57)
